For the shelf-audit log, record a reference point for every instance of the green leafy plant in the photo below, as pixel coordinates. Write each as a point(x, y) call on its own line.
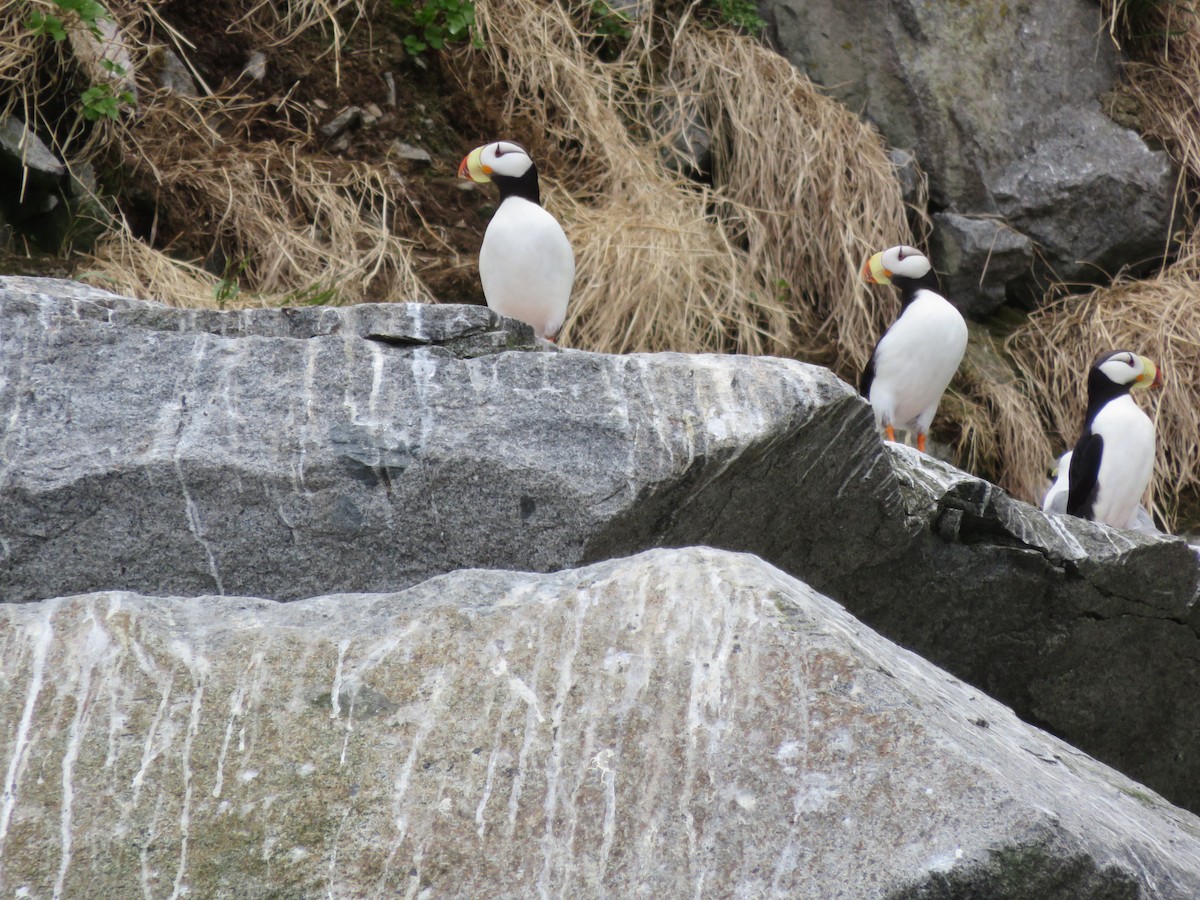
point(89, 12)
point(313, 295)
point(741, 14)
point(229, 287)
point(100, 101)
point(435, 23)
point(611, 28)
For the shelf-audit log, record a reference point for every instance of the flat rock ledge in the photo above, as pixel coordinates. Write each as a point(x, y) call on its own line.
point(681, 723)
point(290, 453)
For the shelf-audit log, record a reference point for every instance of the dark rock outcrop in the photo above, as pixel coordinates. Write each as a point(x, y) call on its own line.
point(683, 722)
point(1002, 105)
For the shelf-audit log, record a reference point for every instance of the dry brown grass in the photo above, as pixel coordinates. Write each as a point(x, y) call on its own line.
point(1157, 316)
point(766, 259)
point(290, 225)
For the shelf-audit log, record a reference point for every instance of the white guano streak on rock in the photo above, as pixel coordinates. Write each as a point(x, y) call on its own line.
point(400, 817)
point(191, 510)
point(41, 634)
point(15, 386)
point(335, 693)
point(493, 758)
point(377, 364)
point(165, 682)
point(533, 719)
point(198, 667)
point(97, 647)
point(709, 646)
point(424, 370)
point(236, 711)
point(554, 765)
point(310, 378)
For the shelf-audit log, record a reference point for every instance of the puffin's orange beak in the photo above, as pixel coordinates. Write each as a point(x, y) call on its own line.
point(473, 167)
point(874, 272)
point(1148, 366)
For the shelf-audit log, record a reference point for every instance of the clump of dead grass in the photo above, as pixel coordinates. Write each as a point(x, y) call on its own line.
point(287, 223)
point(763, 260)
point(257, 222)
point(1158, 316)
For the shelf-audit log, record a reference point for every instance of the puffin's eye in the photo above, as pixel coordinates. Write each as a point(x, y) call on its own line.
point(900, 254)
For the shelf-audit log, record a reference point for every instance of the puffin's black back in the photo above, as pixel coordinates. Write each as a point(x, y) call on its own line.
point(1084, 476)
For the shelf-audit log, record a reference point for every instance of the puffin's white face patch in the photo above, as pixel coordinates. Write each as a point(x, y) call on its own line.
point(505, 158)
point(1124, 367)
point(905, 261)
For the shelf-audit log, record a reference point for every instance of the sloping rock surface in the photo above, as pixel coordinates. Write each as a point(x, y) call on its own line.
point(1090, 630)
point(292, 453)
point(1002, 103)
point(286, 453)
point(682, 723)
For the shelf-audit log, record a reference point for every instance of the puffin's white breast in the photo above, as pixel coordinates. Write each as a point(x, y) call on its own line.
point(1126, 460)
point(1055, 500)
point(917, 357)
point(527, 266)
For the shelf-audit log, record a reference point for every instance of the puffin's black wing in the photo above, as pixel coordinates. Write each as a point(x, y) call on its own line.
point(868, 374)
point(1084, 474)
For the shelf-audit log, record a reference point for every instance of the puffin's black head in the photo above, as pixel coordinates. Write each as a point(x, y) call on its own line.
point(906, 267)
point(508, 165)
point(1117, 373)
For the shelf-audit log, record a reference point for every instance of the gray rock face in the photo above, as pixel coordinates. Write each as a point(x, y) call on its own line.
point(292, 453)
point(21, 149)
point(682, 723)
point(175, 76)
point(1087, 629)
point(1001, 104)
point(285, 453)
point(984, 258)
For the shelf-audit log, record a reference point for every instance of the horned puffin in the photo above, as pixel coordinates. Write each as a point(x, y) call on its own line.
point(913, 362)
point(526, 263)
point(1055, 501)
point(1114, 457)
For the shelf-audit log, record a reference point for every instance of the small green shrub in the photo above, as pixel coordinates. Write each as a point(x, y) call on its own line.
point(100, 101)
point(742, 14)
point(435, 23)
point(89, 12)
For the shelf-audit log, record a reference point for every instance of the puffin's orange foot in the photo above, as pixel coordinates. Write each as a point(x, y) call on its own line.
point(921, 441)
point(890, 433)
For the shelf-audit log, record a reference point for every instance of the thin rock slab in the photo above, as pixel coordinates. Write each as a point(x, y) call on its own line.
point(288, 453)
point(680, 723)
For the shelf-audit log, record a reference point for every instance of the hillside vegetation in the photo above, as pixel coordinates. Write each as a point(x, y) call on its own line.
point(236, 196)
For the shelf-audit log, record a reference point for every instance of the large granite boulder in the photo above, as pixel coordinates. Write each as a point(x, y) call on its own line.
point(1002, 105)
point(287, 453)
point(292, 453)
point(682, 723)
